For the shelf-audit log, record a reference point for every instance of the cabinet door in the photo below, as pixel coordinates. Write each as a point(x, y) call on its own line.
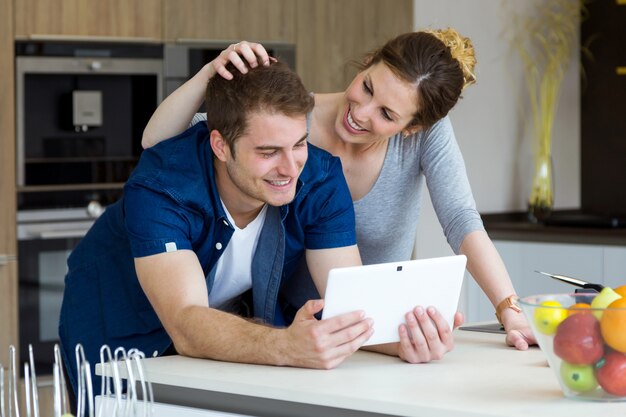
point(333, 33)
point(614, 266)
point(111, 18)
point(267, 20)
point(522, 259)
point(579, 261)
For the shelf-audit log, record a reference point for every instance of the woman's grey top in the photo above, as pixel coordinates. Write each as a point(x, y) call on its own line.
point(387, 216)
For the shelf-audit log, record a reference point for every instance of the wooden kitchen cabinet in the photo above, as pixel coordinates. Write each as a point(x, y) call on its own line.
point(333, 33)
point(79, 18)
point(255, 20)
point(8, 242)
point(327, 33)
point(8, 309)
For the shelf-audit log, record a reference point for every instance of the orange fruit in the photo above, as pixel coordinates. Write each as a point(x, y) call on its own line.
point(613, 325)
point(621, 290)
point(578, 308)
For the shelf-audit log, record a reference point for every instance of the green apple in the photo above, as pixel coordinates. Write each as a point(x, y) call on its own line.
point(579, 378)
point(548, 315)
point(603, 299)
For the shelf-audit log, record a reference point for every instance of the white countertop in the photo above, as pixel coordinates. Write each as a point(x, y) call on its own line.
point(480, 377)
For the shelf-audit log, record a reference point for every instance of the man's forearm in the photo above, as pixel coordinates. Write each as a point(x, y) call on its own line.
point(204, 332)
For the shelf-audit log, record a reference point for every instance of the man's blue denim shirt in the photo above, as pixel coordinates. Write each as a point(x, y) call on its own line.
point(171, 202)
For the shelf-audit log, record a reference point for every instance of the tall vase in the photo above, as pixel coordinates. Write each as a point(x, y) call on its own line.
point(541, 201)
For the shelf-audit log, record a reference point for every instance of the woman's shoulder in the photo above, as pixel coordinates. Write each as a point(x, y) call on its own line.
point(439, 135)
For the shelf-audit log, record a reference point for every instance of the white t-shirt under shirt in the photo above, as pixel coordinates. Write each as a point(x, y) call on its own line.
point(233, 274)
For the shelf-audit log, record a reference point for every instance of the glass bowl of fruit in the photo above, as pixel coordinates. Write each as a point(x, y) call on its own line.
point(584, 337)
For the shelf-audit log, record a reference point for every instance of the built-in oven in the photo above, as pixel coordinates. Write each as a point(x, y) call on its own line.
point(186, 57)
point(81, 110)
point(45, 240)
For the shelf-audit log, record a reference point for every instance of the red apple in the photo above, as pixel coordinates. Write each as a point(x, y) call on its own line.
point(578, 340)
point(611, 374)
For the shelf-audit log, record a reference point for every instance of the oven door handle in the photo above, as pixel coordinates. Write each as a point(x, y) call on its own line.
point(5, 259)
point(61, 234)
point(52, 230)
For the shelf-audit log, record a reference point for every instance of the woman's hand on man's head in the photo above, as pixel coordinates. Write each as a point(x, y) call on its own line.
point(242, 55)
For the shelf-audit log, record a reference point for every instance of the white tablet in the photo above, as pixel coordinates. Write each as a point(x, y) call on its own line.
point(386, 292)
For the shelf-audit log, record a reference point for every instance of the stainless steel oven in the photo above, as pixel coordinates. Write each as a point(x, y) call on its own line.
point(81, 110)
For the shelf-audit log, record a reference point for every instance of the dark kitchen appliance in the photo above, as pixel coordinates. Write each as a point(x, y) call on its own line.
point(603, 125)
point(81, 111)
point(186, 57)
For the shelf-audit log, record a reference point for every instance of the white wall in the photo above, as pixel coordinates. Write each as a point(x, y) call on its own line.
point(491, 127)
point(491, 121)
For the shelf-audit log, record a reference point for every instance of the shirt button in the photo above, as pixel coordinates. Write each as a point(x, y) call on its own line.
point(218, 246)
point(155, 354)
point(225, 222)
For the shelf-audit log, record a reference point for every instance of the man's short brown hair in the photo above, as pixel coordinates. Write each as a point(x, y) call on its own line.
point(273, 89)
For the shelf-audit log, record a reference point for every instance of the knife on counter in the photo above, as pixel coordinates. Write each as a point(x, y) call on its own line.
point(574, 281)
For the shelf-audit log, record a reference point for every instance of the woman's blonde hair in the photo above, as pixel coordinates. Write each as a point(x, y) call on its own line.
point(461, 49)
point(439, 63)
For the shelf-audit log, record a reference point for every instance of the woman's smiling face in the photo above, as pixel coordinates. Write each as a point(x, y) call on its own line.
point(376, 106)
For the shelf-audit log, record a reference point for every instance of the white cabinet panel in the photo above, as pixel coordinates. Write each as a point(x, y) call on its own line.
point(589, 262)
point(479, 307)
point(583, 261)
point(614, 266)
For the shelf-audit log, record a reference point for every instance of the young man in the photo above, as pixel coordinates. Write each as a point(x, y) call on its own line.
point(210, 219)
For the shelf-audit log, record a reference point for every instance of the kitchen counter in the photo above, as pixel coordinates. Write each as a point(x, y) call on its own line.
point(480, 377)
point(565, 226)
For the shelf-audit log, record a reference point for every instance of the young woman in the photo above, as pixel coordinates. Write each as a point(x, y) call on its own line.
point(390, 129)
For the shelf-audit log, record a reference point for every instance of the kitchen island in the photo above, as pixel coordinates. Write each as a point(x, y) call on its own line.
point(480, 377)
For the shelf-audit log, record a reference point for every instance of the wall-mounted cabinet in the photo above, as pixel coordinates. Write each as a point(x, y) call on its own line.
point(331, 34)
point(328, 34)
point(80, 18)
point(269, 20)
